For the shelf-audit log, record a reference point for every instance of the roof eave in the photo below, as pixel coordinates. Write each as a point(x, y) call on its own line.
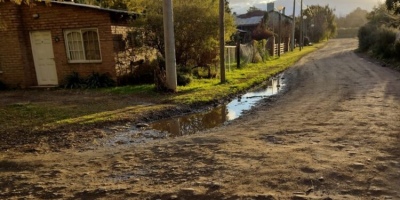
point(96, 8)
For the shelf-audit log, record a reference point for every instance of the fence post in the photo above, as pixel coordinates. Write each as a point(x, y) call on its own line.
point(238, 54)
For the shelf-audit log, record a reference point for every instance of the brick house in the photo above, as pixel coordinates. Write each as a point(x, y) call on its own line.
point(42, 44)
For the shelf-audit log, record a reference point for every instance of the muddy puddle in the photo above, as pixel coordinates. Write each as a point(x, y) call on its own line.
point(193, 123)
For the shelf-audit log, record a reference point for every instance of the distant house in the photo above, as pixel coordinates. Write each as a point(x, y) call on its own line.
point(252, 25)
point(250, 21)
point(41, 45)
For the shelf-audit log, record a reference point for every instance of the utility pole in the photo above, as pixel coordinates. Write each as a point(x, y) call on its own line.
point(222, 39)
point(169, 38)
point(279, 32)
point(293, 24)
point(301, 25)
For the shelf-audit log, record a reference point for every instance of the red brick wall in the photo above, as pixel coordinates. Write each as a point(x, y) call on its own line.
point(13, 58)
point(56, 18)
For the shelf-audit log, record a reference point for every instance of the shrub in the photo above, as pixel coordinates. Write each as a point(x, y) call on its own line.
point(183, 79)
point(142, 74)
point(97, 80)
point(3, 86)
point(384, 42)
point(74, 81)
point(366, 37)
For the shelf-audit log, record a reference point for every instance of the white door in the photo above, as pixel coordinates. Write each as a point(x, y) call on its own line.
point(43, 57)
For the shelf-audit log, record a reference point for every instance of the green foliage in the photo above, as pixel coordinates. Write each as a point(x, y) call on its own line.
point(393, 5)
point(196, 28)
point(183, 79)
point(324, 21)
point(252, 9)
point(74, 81)
point(365, 38)
point(380, 15)
point(142, 74)
point(384, 42)
point(95, 80)
point(355, 19)
point(207, 90)
point(378, 36)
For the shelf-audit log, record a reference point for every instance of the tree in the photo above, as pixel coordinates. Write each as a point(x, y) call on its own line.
point(324, 21)
point(393, 5)
point(356, 18)
point(380, 15)
point(18, 2)
point(378, 36)
point(252, 9)
point(196, 27)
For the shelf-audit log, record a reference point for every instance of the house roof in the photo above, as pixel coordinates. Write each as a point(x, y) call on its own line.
point(116, 16)
point(248, 21)
point(114, 11)
point(258, 13)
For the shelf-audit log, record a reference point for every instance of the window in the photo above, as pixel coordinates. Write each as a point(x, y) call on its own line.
point(82, 45)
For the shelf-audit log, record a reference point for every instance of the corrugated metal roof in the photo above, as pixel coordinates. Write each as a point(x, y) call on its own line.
point(248, 21)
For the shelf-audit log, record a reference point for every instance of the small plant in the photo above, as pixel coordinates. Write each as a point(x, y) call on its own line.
point(97, 80)
point(183, 79)
point(74, 81)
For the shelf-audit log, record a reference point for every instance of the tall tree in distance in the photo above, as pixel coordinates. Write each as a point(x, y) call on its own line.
point(356, 18)
point(252, 9)
point(393, 5)
point(378, 36)
point(320, 22)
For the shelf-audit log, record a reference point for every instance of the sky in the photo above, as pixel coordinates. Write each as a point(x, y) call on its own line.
point(342, 7)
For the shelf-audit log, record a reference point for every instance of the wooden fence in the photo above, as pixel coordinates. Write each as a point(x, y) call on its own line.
point(282, 49)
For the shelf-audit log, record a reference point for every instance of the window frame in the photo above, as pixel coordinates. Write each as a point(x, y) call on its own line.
point(81, 31)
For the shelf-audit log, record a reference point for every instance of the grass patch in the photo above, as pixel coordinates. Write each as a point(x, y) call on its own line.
point(35, 117)
point(63, 108)
point(206, 90)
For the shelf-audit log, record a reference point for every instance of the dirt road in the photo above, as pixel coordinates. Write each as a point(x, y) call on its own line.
point(334, 134)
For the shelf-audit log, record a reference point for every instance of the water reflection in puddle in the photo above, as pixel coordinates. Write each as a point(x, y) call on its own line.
point(192, 123)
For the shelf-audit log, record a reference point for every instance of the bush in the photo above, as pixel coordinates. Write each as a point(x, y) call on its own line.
point(97, 80)
point(3, 86)
point(142, 74)
point(366, 37)
point(384, 42)
point(74, 81)
point(183, 79)
point(261, 47)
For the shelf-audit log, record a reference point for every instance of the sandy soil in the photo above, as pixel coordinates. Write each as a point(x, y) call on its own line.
point(334, 134)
